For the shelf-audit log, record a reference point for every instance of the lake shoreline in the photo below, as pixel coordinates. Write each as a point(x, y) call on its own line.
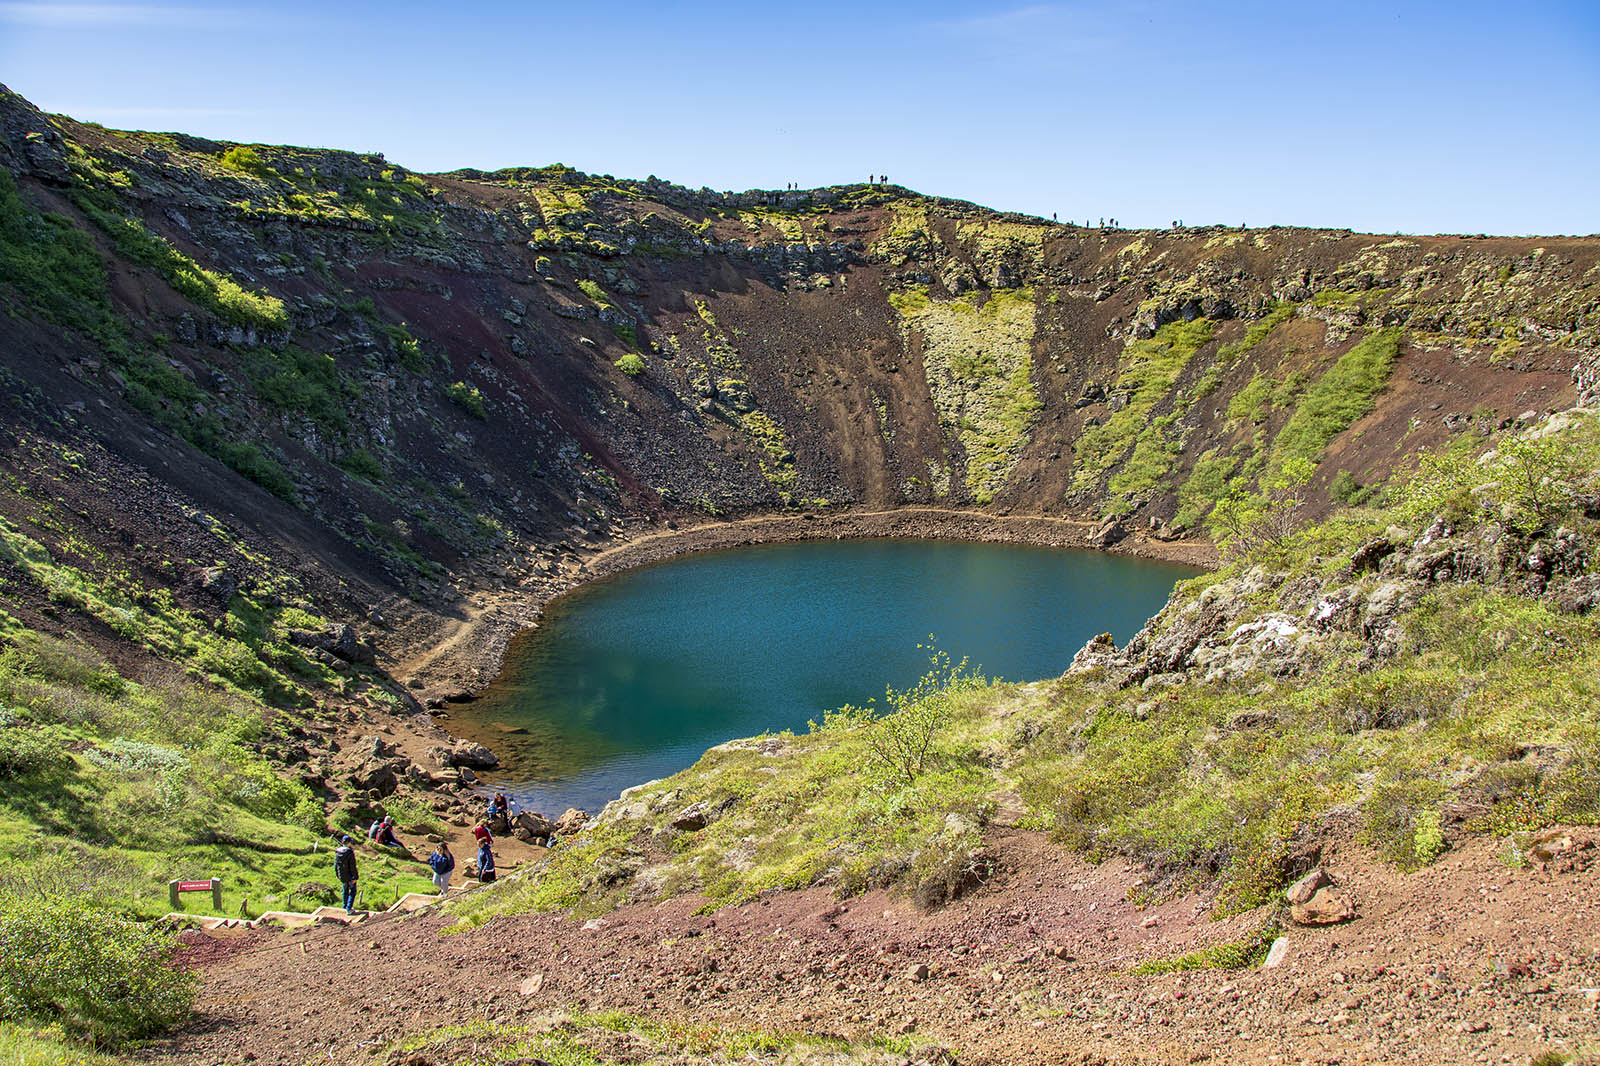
point(465, 715)
point(458, 669)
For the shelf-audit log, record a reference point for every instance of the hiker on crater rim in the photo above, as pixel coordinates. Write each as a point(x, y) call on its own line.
point(344, 868)
point(442, 863)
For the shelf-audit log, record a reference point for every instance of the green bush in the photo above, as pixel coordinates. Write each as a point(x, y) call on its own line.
point(1347, 490)
point(363, 464)
point(468, 397)
point(631, 365)
point(244, 158)
point(28, 752)
point(98, 976)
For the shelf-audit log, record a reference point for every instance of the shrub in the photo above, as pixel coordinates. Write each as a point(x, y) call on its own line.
point(468, 397)
point(1245, 523)
point(1347, 490)
point(903, 740)
point(363, 464)
point(631, 365)
point(28, 753)
point(243, 157)
point(96, 975)
point(1402, 821)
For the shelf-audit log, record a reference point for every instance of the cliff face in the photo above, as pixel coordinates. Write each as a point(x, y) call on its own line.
point(430, 369)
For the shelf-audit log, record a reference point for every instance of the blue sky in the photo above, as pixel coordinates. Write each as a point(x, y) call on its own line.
point(1410, 117)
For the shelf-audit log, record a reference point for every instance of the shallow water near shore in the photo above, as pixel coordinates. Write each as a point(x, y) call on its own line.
point(634, 677)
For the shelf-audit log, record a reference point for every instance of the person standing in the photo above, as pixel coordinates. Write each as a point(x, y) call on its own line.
point(485, 863)
point(442, 863)
point(344, 868)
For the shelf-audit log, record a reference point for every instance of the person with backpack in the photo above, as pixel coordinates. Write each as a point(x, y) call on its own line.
point(442, 863)
point(344, 868)
point(485, 863)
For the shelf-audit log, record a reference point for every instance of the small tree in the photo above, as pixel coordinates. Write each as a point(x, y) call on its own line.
point(903, 738)
point(1245, 522)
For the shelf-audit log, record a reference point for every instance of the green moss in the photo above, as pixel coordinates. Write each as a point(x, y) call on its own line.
point(217, 292)
point(584, 1038)
point(1147, 375)
point(1242, 954)
point(244, 158)
point(593, 290)
point(1347, 391)
point(978, 362)
point(1255, 333)
point(53, 268)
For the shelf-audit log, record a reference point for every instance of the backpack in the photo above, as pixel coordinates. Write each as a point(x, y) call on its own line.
point(344, 864)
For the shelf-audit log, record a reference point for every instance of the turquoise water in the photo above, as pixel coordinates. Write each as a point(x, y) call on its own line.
point(634, 677)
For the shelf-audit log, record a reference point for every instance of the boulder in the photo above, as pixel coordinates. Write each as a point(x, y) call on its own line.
point(1097, 652)
point(1325, 907)
point(351, 648)
point(536, 824)
point(378, 775)
point(1302, 890)
point(468, 753)
point(571, 821)
point(1108, 533)
point(693, 817)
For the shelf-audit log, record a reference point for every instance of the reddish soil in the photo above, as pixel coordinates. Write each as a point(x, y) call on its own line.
point(1469, 960)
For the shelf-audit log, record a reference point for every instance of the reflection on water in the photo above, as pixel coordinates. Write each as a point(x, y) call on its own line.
point(634, 677)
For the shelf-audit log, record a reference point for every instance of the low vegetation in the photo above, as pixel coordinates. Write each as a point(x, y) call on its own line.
point(1149, 369)
point(978, 362)
point(589, 1038)
point(101, 979)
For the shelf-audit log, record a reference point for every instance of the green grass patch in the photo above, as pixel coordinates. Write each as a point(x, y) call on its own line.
point(1347, 391)
point(1243, 954)
point(468, 397)
point(1148, 372)
point(213, 290)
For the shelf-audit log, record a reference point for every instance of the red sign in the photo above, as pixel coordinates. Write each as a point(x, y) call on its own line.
point(194, 886)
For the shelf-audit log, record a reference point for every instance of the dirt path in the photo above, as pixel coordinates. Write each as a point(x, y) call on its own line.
point(1032, 969)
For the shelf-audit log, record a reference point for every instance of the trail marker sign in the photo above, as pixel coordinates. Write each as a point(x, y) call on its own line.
point(212, 885)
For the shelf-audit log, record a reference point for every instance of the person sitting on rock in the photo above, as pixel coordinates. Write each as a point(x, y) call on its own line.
point(501, 807)
point(385, 837)
point(442, 863)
